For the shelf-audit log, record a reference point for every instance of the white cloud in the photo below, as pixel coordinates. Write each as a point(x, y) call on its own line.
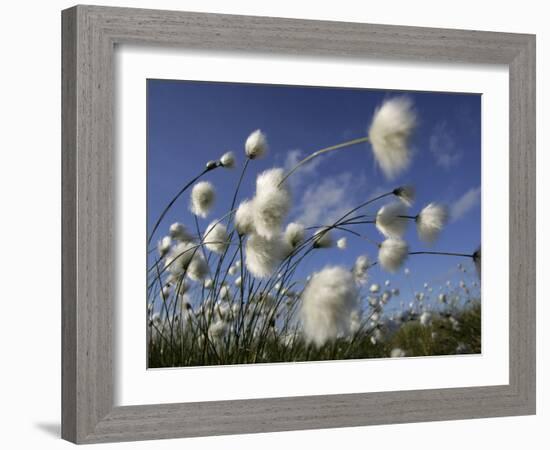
point(327, 201)
point(443, 146)
point(465, 203)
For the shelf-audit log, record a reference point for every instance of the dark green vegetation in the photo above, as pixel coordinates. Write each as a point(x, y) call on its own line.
point(448, 333)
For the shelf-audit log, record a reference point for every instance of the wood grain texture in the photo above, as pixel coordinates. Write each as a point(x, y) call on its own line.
point(89, 211)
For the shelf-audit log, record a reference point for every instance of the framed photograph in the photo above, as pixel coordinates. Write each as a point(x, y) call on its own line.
point(277, 224)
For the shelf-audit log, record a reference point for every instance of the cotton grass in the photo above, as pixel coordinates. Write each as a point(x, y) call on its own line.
point(256, 145)
point(203, 196)
point(323, 238)
point(390, 219)
point(256, 299)
point(328, 302)
point(294, 235)
point(263, 255)
point(228, 160)
point(164, 245)
point(360, 269)
point(244, 218)
point(431, 221)
point(216, 238)
point(389, 133)
point(271, 203)
point(392, 254)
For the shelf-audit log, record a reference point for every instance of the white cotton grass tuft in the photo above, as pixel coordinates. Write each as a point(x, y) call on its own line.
point(179, 232)
point(294, 235)
point(397, 353)
point(198, 268)
point(328, 302)
point(271, 203)
point(389, 133)
point(323, 238)
point(430, 222)
point(360, 269)
point(406, 194)
point(256, 145)
point(163, 245)
point(263, 255)
point(228, 160)
point(181, 287)
point(392, 254)
point(390, 221)
point(179, 258)
point(426, 319)
point(374, 288)
point(215, 237)
point(203, 196)
point(244, 218)
point(342, 243)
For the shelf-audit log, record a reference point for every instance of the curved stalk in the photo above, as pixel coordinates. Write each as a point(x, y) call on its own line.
point(171, 203)
point(322, 151)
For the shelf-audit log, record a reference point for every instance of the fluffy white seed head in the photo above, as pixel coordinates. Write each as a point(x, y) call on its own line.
point(203, 196)
point(392, 254)
point(179, 258)
point(238, 281)
point(386, 297)
point(165, 292)
point(328, 302)
point(198, 268)
point(406, 194)
point(181, 286)
point(374, 288)
point(244, 218)
point(256, 145)
point(228, 160)
point(215, 237)
point(179, 232)
point(426, 318)
point(397, 353)
point(342, 243)
point(389, 134)
point(360, 269)
point(294, 235)
point(263, 255)
point(323, 238)
point(233, 270)
point(163, 245)
point(217, 330)
point(389, 220)
point(271, 203)
point(430, 222)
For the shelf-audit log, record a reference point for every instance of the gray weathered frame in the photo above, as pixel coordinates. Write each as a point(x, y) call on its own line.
point(89, 36)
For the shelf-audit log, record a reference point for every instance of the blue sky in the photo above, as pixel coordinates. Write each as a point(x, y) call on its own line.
point(190, 123)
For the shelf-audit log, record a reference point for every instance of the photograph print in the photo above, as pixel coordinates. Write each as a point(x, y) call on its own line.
point(298, 223)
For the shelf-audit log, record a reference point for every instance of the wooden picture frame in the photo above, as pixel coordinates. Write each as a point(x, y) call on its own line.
point(89, 35)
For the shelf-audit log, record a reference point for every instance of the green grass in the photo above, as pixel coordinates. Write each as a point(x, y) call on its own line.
point(188, 347)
